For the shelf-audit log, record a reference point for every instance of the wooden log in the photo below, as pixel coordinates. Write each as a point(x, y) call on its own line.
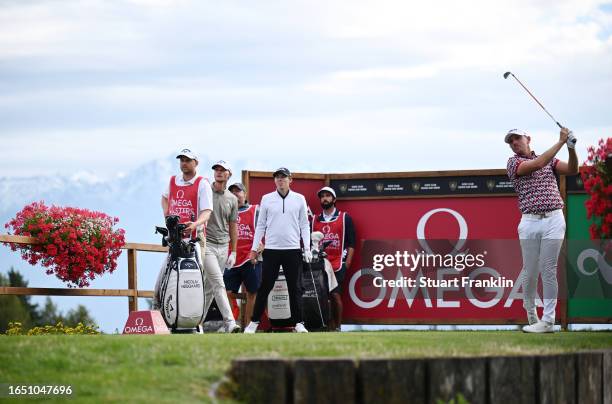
point(324, 381)
point(145, 247)
point(260, 380)
point(9, 238)
point(512, 379)
point(589, 372)
point(132, 280)
point(606, 371)
point(449, 378)
point(557, 379)
point(17, 290)
point(391, 380)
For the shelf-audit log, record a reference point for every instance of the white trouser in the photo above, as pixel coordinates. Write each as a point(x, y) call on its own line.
point(156, 292)
point(215, 258)
point(541, 239)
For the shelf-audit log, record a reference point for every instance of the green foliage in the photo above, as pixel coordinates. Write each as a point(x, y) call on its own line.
point(80, 329)
point(16, 279)
point(459, 399)
point(11, 309)
point(19, 309)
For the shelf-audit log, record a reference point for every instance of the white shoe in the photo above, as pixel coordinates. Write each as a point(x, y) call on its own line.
point(539, 327)
point(299, 327)
point(251, 328)
point(231, 327)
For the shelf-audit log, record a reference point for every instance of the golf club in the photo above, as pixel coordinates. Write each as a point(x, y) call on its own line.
point(532, 96)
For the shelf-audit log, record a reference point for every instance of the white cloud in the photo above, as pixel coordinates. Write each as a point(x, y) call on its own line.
point(131, 80)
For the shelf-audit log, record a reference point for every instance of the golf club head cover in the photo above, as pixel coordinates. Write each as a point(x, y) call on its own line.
point(571, 140)
point(307, 256)
point(315, 238)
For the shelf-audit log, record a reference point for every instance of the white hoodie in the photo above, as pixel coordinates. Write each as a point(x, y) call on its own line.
point(282, 221)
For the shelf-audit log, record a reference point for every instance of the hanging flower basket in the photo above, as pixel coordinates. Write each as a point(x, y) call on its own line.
point(76, 245)
point(597, 177)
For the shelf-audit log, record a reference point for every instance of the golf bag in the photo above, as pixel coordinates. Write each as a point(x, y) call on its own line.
point(315, 300)
point(181, 291)
point(279, 310)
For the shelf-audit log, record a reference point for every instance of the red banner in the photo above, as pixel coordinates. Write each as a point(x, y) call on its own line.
point(491, 220)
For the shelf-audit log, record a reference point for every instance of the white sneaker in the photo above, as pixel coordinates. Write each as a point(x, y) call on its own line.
point(299, 327)
point(231, 327)
point(251, 328)
point(539, 327)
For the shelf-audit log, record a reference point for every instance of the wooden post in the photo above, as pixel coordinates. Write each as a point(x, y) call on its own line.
point(392, 380)
point(260, 380)
point(512, 379)
point(606, 376)
point(557, 379)
point(132, 281)
point(450, 376)
point(589, 366)
point(324, 380)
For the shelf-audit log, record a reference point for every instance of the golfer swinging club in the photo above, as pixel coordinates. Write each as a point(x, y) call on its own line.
point(542, 227)
point(283, 219)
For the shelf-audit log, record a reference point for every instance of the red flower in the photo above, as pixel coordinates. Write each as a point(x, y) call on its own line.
point(75, 244)
point(597, 179)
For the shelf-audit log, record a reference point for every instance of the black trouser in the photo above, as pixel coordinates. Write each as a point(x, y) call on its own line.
point(291, 260)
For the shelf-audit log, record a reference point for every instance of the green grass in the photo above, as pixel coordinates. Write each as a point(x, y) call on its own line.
point(184, 367)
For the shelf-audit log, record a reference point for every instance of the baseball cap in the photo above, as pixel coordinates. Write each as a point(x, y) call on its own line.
point(187, 153)
point(224, 164)
point(514, 132)
point(238, 185)
point(327, 189)
point(282, 170)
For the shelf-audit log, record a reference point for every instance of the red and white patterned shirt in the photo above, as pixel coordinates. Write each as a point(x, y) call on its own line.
point(537, 191)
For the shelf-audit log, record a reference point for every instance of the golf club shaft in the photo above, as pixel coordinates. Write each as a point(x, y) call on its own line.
point(536, 100)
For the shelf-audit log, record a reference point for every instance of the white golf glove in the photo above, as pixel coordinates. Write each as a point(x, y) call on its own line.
point(571, 141)
point(231, 260)
point(307, 256)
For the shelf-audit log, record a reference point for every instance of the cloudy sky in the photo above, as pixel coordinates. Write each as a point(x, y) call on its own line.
point(322, 86)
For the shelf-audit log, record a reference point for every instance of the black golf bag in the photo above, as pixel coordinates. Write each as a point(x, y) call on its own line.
point(315, 299)
point(181, 291)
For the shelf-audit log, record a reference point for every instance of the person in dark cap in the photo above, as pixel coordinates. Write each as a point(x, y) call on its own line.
point(244, 272)
point(283, 220)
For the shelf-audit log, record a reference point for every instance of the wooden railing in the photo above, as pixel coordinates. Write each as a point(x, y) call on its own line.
point(132, 292)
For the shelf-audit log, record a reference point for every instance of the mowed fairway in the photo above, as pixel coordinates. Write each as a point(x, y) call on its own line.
point(184, 367)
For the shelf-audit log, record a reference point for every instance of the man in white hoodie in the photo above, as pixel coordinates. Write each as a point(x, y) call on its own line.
point(283, 220)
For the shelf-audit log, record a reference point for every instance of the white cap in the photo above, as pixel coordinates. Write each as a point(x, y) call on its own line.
point(327, 189)
point(514, 132)
point(187, 153)
point(224, 164)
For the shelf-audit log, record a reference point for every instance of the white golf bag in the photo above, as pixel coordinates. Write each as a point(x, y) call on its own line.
point(279, 308)
point(180, 289)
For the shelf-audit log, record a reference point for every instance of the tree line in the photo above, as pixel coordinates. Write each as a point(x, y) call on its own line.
point(21, 309)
